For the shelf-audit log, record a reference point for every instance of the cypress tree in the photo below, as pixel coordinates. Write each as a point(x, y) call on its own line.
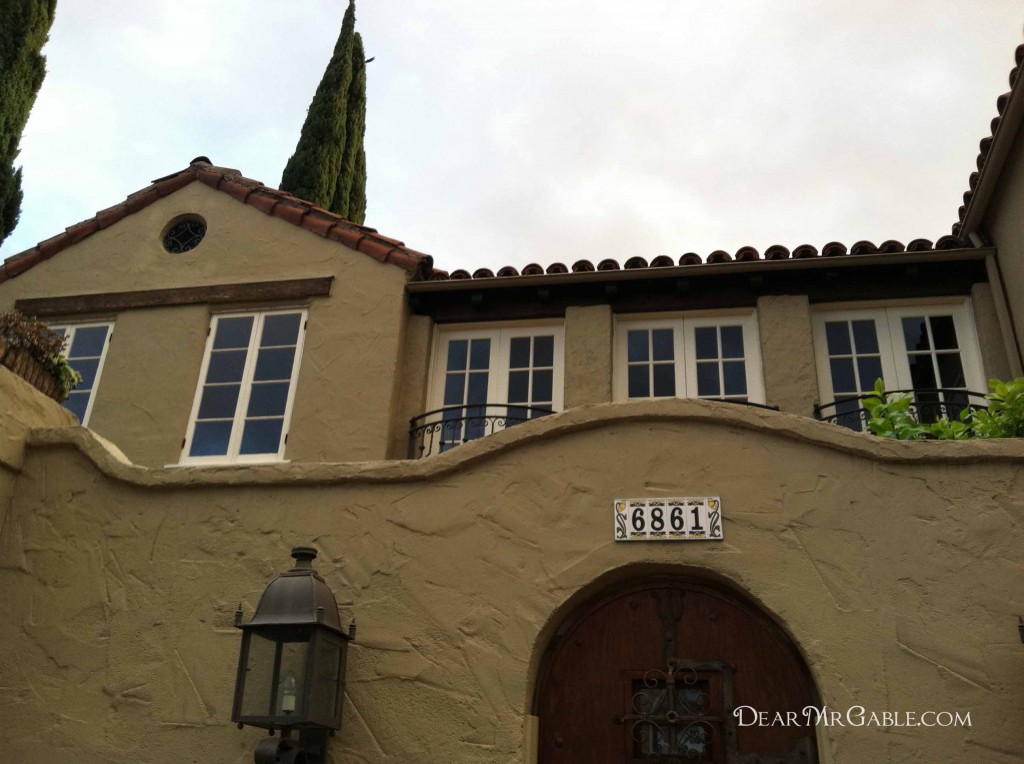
point(26, 25)
point(312, 171)
point(349, 198)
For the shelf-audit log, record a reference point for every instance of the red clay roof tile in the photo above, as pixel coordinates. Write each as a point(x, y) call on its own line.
point(248, 191)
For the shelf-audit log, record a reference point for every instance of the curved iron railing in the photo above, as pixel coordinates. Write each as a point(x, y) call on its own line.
point(442, 429)
point(926, 406)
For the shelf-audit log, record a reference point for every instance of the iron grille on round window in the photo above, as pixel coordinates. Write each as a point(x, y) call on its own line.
point(185, 235)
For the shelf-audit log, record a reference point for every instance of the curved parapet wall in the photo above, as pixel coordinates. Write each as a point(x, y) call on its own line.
point(896, 568)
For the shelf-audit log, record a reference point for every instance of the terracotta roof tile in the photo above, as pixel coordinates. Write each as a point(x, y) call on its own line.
point(582, 266)
point(556, 268)
point(719, 256)
point(891, 247)
point(507, 272)
point(533, 269)
point(690, 258)
point(608, 265)
point(864, 248)
point(635, 262)
point(662, 261)
point(747, 254)
point(985, 145)
point(483, 273)
point(776, 252)
point(919, 245)
point(833, 249)
point(248, 191)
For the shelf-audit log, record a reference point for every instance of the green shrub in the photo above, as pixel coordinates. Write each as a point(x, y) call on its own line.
point(890, 415)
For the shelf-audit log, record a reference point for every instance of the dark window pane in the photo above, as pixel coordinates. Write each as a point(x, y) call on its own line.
point(219, 402)
point(951, 371)
point(542, 384)
point(477, 424)
point(843, 380)
point(519, 353)
point(210, 439)
point(518, 386)
point(848, 414)
point(281, 330)
point(943, 332)
point(516, 415)
point(664, 380)
point(457, 353)
point(915, 335)
point(77, 403)
point(87, 368)
point(268, 399)
point(735, 377)
point(922, 372)
point(707, 379)
point(662, 345)
point(870, 369)
point(261, 436)
point(60, 331)
point(226, 366)
point(233, 333)
point(477, 392)
point(544, 351)
point(275, 363)
point(639, 381)
point(837, 335)
point(732, 342)
point(636, 340)
point(454, 389)
point(88, 342)
point(865, 337)
point(707, 342)
point(480, 354)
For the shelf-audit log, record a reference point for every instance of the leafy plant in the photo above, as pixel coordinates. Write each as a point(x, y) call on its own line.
point(1004, 417)
point(19, 332)
point(890, 415)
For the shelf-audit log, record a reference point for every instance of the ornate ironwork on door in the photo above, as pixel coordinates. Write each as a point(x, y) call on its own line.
point(680, 713)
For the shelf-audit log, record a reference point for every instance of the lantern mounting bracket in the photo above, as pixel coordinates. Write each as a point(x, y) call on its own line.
point(310, 748)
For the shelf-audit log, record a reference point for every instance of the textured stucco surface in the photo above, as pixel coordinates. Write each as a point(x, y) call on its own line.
point(896, 567)
point(990, 336)
point(342, 408)
point(787, 353)
point(588, 355)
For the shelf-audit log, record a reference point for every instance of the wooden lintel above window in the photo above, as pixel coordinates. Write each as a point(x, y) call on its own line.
point(111, 302)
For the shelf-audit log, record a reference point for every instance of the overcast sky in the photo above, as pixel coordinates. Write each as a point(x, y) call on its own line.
point(541, 131)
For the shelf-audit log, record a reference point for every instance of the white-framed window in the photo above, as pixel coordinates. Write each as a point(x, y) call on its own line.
point(716, 357)
point(85, 347)
point(484, 380)
point(929, 349)
point(243, 402)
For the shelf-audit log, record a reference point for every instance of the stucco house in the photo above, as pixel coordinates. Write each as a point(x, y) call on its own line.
point(505, 475)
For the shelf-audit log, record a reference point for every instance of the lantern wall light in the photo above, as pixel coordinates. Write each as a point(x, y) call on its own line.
point(291, 667)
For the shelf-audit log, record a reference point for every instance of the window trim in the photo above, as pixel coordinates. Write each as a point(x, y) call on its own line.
point(685, 360)
point(238, 421)
point(497, 371)
point(69, 331)
point(895, 365)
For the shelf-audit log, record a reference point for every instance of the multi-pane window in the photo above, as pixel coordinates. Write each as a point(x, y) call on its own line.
point(243, 404)
point(699, 357)
point(487, 380)
point(929, 350)
point(85, 346)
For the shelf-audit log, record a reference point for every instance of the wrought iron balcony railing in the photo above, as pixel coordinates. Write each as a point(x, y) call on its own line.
point(926, 406)
point(442, 429)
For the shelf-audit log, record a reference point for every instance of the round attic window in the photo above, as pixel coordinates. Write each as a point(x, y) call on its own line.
point(184, 234)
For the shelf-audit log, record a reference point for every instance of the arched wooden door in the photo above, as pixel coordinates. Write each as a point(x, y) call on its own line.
point(653, 673)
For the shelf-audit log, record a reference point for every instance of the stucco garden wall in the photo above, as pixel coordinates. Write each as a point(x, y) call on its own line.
point(897, 568)
point(342, 408)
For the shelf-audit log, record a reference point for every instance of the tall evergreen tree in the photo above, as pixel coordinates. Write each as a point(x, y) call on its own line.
point(323, 162)
point(351, 183)
point(23, 32)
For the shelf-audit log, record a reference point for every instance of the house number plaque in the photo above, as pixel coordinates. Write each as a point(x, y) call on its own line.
point(693, 518)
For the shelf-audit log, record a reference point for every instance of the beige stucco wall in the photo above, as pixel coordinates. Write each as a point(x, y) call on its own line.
point(1004, 226)
point(588, 355)
point(787, 353)
point(990, 336)
point(896, 567)
point(342, 408)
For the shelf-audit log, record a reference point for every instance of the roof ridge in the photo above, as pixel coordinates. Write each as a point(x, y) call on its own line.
point(270, 201)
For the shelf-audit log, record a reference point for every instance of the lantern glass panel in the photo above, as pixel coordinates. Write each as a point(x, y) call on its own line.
point(291, 684)
point(259, 676)
point(324, 694)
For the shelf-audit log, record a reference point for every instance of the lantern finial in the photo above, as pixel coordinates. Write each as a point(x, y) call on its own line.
point(304, 556)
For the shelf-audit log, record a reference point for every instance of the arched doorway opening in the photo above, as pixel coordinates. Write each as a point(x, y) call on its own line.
point(653, 671)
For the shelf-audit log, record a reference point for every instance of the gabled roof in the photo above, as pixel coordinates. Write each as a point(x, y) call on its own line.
point(268, 200)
